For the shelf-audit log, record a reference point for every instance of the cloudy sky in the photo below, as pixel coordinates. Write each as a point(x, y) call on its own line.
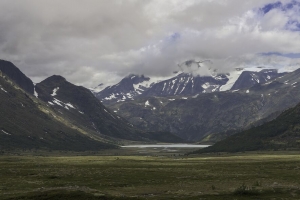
point(100, 41)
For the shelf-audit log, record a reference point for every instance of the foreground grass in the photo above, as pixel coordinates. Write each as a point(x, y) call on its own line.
point(243, 176)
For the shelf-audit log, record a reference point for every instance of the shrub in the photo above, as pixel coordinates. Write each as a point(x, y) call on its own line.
point(245, 190)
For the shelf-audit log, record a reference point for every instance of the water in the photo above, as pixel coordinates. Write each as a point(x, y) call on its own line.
point(166, 146)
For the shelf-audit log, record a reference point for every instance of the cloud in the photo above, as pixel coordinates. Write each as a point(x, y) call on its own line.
point(95, 41)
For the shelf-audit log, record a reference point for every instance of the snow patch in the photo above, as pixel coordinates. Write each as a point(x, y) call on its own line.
point(51, 103)
point(70, 105)
point(147, 103)
point(205, 85)
point(247, 91)
point(112, 96)
point(58, 102)
point(35, 93)
point(5, 132)
point(3, 89)
point(232, 77)
point(80, 112)
point(54, 91)
point(164, 87)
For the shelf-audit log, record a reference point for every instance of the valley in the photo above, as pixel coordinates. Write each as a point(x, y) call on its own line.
point(149, 100)
point(255, 175)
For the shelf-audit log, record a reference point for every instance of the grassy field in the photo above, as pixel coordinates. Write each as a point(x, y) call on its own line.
point(230, 176)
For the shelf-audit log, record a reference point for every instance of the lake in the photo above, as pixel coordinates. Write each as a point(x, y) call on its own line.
point(166, 146)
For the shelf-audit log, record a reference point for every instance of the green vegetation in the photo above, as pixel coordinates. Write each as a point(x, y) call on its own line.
point(230, 176)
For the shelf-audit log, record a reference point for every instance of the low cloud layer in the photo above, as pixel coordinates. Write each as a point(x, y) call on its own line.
point(91, 42)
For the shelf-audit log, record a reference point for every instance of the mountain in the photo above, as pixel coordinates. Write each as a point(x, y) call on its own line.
point(62, 116)
point(182, 84)
point(11, 71)
point(78, 105)
point(250, 78)
point(128, 88)
point(133, 86)
point(186, 84)
point(28, 123)
point(282, 133)
point(197, 117)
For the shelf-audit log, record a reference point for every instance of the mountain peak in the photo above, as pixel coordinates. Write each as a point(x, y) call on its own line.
point(9, 69)
point(56, 78)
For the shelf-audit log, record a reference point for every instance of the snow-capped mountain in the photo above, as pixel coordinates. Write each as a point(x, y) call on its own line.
point(206, 114)
point(248, 79)
point(128, 88)
point(139, 85)
point(187, 84)
point(184, 84)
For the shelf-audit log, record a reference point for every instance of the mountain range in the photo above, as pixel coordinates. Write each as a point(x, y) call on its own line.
point(57, 115)
point(182, 84)
point(255, 97)
point(242, 106)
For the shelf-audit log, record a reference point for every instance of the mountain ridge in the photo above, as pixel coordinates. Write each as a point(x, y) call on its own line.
point(10, 70)
point(183, 84)
point(198, 116)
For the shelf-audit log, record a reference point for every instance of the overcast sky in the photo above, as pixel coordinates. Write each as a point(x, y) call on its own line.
point(100, 41)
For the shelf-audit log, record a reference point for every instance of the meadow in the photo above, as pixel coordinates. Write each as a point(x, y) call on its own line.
point(258, 175)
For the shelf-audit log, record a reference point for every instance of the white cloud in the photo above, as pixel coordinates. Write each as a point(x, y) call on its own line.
point(95, 41)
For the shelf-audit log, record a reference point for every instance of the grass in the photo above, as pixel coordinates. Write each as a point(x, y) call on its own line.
point(230, 176)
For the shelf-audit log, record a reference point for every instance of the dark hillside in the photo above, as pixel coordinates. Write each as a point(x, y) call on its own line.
point(283, 133)
point(17, 76)
point(23, 125)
